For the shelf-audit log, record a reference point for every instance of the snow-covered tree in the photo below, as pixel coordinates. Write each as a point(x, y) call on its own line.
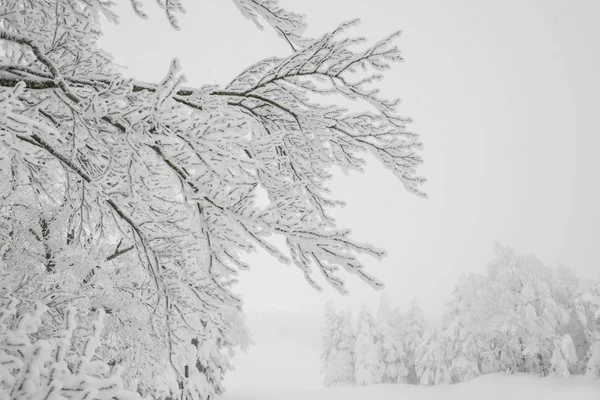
point(96, 166)
point(368, 369)
point(587, 305)
point(428, 356)
point(521, 297)
point(455, 351)
point(411, 331)
point(563, 356)
point(593, 363)
point(330, 333)
point(338, 348)
point(463, 350)
point(393, 355)
point(566, 287)
point(516, 318)
point(346, 347)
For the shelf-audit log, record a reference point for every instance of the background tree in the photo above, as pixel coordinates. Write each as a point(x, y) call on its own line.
point(567, 286)
point(461, 330)
point(393, 355)
point(587, 306)
point(412, 329)
point(346, 348)
point(428, 356)
point(95, 166)
point(368, 355)
point(524, 299)
point(338, 348)
point(521, 316)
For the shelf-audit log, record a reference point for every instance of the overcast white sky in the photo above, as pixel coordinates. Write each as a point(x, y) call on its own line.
point(505, 96)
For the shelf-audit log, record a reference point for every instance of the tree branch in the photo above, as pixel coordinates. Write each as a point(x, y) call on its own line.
point(117, 253)
point(22, 40)
point(50, 263)
point(39, 142)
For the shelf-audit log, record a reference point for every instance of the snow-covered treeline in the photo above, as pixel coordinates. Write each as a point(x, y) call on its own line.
point(520, 316)
point(372, 349)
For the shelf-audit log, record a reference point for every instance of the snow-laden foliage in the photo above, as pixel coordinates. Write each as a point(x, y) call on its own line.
point(338, 348)
point(143, 198)
point(64, 366)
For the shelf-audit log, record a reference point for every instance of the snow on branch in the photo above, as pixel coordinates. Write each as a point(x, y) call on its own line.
point(54, 368)
point(289, 25)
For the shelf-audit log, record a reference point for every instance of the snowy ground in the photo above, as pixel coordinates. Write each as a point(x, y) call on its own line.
point(491, 387)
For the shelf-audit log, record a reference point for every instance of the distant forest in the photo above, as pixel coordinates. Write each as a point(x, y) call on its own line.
point(519, 317)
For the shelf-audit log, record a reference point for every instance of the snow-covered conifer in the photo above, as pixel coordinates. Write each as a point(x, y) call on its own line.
point(412, 329)
point(565, 288)
point(593, 364)
point(587, 304)
point(428, 355)
point(346, 348)
point(393, 355)
point(563, 356)
point(368, 369)
point(464, 329)
point(338, 348)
